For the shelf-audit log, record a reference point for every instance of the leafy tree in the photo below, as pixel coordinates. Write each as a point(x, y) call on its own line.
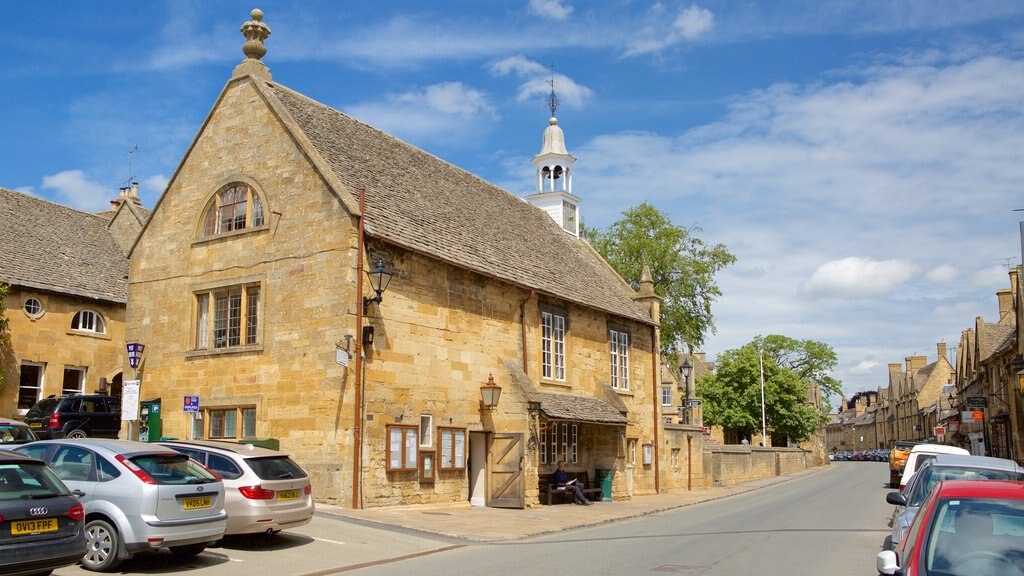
point(732, 394)
point(682, 265)
point(5, 339)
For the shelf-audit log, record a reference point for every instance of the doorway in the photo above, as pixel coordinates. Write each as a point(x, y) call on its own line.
point(477, 469)
point(505, 481)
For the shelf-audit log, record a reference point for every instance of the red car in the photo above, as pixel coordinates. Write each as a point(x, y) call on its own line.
point(963, 528)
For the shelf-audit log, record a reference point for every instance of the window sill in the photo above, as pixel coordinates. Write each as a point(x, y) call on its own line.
point(621, 392)
point(232, 234)
point(556, 384)
point(192, 354)
point(87, 334)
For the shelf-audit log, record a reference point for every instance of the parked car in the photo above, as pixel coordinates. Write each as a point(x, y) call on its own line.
point(266, 491)
point(15, 432)
point(897, 460)
point(922, 452)
point(75, 416)
point(137, 497)
point(945, 467)
point(963, 528)
point(40, 520)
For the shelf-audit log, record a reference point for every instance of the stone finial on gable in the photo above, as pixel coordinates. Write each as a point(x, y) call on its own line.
point(255, 32)
point(647, 297)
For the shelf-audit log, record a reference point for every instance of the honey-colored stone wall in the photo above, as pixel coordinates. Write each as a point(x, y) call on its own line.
point(48, 339)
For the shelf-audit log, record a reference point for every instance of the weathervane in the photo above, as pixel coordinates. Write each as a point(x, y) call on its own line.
point(552, 100)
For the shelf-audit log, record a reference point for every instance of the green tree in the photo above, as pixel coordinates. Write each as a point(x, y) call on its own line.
point(732, 393)
point(682, 265)
point(5, 339)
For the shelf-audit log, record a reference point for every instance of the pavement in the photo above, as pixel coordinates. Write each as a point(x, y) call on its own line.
point(462, 522)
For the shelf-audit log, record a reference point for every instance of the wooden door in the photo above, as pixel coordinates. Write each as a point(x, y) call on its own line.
point(506, 488)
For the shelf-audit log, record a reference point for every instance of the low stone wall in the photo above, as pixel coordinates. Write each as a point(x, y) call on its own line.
point(725, 465)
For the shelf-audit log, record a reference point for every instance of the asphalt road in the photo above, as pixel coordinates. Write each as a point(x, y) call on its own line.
point(828, 523)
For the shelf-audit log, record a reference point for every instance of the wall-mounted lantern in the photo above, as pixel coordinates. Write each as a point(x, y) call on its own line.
point(489, 393)
point(380, 277)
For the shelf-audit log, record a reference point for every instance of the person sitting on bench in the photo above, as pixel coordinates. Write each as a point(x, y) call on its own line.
point(563, 482)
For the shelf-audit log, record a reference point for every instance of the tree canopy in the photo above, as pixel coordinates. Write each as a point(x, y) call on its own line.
point(682, 265)
point(732, 393)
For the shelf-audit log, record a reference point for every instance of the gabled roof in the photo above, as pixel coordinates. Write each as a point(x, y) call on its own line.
point(49, 247)
point(992, 337)
point(421, 203)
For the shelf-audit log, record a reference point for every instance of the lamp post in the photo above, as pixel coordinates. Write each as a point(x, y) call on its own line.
point(684, 374)
point(489, 393)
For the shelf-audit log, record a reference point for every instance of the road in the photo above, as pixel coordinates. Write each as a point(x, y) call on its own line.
point(828, 523)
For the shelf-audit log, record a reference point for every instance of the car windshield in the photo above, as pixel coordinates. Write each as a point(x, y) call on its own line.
point(276, 468)
point(27, 480)
point(976, 536)
point(173, 469)
point(11, 434)
point(42, 408)
point(932, 475)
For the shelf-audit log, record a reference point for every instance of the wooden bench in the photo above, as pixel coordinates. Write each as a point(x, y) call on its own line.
point(548, 487)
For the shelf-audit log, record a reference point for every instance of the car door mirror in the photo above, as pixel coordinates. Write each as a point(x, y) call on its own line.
point(886, 564)
point(896, 498)
point(78, 493)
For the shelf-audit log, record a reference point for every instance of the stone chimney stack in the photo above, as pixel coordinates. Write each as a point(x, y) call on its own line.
point(895, 367)
point(1005, 297)
point(941, 348)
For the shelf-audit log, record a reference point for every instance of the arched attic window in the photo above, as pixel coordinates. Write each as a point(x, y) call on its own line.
point(236, 207)
point(88, 321)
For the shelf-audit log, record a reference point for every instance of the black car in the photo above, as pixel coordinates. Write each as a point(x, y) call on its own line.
point(40, 520)
point(75, 416)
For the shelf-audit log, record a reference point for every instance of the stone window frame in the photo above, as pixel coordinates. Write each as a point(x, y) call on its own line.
point(619, 355)
point(549, 345)
point(241, 413)
point(38, 387)
point(666, 395)
point(27, 306)
point(256, 216)
point(79, 380)
point(88, 321)
point(251, 322)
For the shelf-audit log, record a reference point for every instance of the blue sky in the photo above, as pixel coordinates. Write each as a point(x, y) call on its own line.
point(862, 159)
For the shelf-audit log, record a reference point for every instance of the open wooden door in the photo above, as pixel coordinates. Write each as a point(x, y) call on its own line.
point(505, 471)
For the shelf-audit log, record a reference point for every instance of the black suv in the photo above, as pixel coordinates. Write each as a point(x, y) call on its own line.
point(75, 416)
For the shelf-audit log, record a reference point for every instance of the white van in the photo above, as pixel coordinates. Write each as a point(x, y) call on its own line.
point(922, 453)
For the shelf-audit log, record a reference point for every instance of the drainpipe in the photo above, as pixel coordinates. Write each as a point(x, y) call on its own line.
point(357, 423)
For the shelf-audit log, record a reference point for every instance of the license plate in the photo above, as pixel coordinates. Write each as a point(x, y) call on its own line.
point(195, 503)
point(25, 527)
point(288, 495)
point(35, 425)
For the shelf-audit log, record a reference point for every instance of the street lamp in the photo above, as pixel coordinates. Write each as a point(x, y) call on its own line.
point(489, 393)
point(684, 374)
point(380, 277)
point(764, 427)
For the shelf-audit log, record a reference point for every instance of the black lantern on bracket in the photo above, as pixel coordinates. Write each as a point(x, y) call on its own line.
point(380, 277)
point(684, 376)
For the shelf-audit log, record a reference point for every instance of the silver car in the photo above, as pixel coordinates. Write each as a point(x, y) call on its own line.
point(266, 491)
point(945, 467)
point(137, 497)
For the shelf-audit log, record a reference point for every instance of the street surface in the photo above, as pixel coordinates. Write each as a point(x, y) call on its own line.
point(832, 522)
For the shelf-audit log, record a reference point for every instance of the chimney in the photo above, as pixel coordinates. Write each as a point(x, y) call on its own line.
point(134, 196)
point(122, 193)
point(1005, 297)
point(941, 347)
point(895, 367)
point(915, 363)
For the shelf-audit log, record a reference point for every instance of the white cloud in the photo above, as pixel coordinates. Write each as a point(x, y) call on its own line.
point(536, 81)
point(658, 33)
point(943, 273)
point(553, 9)
point(77, 191)
point(857, 277)
point(26, 190)
point(153, 185)
point(694, 22)
point(447, 111)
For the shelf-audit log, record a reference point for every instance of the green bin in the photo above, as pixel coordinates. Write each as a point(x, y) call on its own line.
point(604, 480)
point(271, 443)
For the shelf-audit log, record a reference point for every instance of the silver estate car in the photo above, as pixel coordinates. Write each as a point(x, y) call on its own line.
point(266, 491)
point(137, 497)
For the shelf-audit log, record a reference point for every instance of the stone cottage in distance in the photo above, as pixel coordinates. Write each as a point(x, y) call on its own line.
point(249, 287)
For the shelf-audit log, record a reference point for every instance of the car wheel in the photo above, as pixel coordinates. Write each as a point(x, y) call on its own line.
point(76, 433)
point(189, 551)
point(101, 552)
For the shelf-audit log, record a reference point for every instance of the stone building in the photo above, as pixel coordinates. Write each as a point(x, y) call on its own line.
point(249, 287)
point(68, 277)
point(902, 405)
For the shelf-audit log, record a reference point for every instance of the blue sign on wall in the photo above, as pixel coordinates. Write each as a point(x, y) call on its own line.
point(191, 404)
point(135, 354)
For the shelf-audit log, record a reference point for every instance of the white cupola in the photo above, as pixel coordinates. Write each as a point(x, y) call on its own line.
point(554, 177)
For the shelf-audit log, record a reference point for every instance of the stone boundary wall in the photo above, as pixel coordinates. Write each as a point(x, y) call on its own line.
point(728, 465)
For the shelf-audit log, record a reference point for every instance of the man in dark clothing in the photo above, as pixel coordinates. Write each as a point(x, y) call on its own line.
point(563, 482)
